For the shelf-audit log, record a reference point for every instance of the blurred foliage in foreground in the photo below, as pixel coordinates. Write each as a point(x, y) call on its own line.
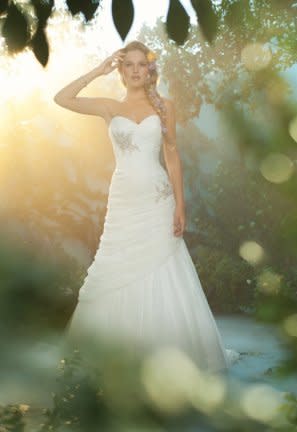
point(109, 387)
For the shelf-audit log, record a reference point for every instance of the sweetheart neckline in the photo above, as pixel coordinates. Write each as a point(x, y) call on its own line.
point(133, 121)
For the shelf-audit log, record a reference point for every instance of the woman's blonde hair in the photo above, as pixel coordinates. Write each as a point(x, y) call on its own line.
point(150, 85)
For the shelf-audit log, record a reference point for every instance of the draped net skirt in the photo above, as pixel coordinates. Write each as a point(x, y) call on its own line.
point(142, 286)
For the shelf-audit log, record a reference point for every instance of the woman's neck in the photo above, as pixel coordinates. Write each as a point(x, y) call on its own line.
point(135, 94)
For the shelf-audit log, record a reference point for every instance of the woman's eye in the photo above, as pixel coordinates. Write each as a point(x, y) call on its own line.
point(130, 64)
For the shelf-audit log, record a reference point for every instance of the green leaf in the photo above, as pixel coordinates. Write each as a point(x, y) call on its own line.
point(3, 6)
point(88, 8)
point(15, 29)
point(43, 10)
point(40, 46)
point(177, 22)
point(123, 15)
point(206, 17)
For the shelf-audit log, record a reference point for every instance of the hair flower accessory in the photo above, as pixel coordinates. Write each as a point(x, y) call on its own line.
point(151, 57)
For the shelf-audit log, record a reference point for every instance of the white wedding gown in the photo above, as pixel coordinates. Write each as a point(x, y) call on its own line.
point(142, 285)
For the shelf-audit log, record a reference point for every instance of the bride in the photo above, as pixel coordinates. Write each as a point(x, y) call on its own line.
point(142, 286)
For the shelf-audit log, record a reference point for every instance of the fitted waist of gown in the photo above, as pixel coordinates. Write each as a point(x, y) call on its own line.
point(142, 185)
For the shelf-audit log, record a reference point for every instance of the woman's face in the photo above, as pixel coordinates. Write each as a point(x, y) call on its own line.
point(135, 68)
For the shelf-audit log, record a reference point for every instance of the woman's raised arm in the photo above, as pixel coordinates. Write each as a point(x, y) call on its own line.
point(100, 106)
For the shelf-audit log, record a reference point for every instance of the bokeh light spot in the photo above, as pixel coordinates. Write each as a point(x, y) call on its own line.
point(256, 56)
point(277, 168)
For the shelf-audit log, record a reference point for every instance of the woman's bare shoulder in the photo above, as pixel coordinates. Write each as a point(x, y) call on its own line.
point(114, 106)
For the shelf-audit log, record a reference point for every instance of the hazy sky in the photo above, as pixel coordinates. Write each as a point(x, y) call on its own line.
point(148, 11)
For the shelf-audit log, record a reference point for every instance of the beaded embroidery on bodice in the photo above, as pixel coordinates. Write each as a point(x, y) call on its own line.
point(136, 148)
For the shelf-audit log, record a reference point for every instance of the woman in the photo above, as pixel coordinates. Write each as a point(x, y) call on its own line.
point(142, 285)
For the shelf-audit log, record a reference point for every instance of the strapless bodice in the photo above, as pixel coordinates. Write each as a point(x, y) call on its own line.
point(136, 144)
point(138, 172)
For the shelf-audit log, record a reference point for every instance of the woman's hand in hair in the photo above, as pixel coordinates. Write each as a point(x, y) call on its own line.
point(111, 62)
